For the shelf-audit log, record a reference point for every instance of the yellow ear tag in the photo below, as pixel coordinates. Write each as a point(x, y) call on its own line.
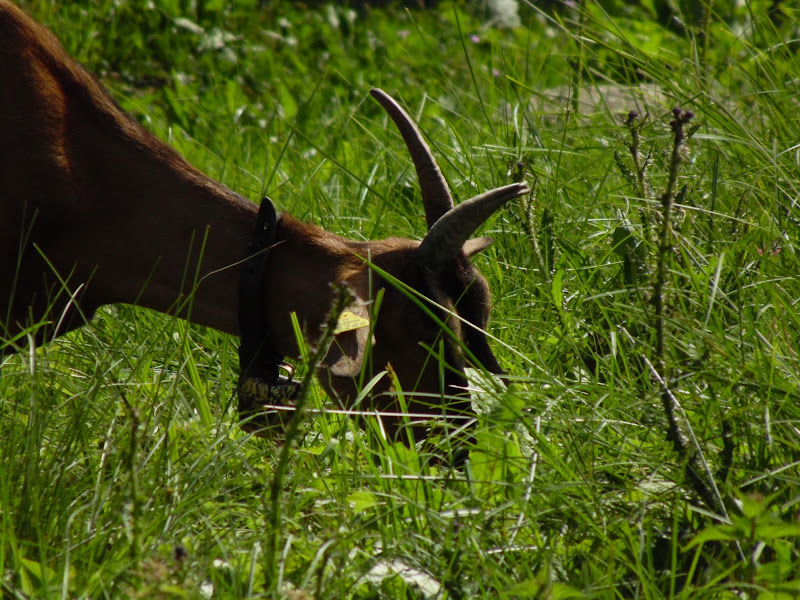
point(348, 322)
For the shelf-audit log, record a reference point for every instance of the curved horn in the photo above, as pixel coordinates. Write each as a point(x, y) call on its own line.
point(435, 192)
point(449, 234)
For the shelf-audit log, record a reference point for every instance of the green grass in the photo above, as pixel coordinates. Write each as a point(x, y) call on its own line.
point(123, 472)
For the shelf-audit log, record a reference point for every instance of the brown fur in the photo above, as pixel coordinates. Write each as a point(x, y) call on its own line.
point(83, 184)
point(95, 210)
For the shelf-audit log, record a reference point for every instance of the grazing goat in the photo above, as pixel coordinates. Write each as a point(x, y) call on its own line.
point(95, 210)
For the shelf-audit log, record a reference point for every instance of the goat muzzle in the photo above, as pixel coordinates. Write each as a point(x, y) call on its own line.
point(265, 396)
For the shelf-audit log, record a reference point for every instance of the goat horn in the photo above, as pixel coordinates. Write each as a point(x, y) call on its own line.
point(449, 234)
point(435, 192)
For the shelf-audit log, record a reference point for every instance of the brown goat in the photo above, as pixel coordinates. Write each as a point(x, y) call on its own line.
point(95, 210)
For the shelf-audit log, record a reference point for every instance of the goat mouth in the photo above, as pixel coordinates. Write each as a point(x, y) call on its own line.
point(266, 405)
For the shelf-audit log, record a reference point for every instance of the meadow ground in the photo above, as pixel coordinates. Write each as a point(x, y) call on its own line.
point(645, 306)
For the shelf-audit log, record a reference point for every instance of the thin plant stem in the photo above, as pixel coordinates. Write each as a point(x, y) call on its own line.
point(273, 505)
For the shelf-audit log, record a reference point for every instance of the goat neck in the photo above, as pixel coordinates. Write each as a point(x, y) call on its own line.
point(96, 210)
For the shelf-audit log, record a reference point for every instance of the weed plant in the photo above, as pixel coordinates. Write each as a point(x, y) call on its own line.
point(645, 308)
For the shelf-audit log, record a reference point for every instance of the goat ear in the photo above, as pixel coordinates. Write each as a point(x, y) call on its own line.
point(476, 245)
point(346, 354)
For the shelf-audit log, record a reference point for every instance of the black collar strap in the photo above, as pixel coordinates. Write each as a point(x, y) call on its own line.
point(260, 382)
